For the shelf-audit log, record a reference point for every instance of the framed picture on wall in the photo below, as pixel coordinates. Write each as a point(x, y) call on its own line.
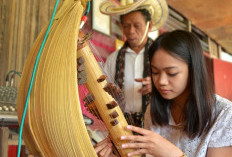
point(100, 22)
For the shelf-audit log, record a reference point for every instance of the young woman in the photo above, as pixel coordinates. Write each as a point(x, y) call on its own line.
point(185, 117)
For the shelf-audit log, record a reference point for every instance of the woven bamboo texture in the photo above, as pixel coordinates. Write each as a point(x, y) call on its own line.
point(54, 125)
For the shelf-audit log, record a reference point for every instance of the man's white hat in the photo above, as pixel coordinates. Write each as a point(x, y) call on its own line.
point(157, 8)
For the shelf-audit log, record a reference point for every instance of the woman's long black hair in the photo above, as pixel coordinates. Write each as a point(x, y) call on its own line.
point(198, 116)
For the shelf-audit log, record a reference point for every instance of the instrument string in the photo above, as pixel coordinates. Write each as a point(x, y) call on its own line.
point(93, 110)
point(112, 89)
point(89, 104)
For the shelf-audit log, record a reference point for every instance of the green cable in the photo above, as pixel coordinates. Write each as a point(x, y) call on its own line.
point(32, 78)
point(88, 7)
point(12, 71)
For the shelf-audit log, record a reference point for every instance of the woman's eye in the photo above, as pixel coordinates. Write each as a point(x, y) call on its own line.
point(172, 74)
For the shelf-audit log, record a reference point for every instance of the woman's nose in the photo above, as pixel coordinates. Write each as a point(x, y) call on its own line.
point(163, 79)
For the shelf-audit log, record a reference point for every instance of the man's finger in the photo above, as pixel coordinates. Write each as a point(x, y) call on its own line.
point(145, 90)
point(139, 79)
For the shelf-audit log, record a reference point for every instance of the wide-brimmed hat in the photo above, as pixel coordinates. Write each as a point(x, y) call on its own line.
point(157, 8)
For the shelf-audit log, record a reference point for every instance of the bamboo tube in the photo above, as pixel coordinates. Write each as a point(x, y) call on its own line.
point(54, 125)
point(113, 117)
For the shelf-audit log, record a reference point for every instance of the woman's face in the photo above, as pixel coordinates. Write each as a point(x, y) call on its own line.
point(169, 74)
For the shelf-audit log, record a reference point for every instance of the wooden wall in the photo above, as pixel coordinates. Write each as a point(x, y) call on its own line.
point(20, 23)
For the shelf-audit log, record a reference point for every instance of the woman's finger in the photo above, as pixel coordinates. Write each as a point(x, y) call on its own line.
point(133, 138)
point(138, 130)
point(109, 150)
point(106, 150)
point(138, 152)
point(135, 145)
point(98, 147)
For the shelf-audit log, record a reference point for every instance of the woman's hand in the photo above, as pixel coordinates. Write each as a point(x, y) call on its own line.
point(104, 148)
point(151, 143)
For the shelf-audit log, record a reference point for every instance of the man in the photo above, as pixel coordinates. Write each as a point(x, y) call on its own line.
point(129, 66)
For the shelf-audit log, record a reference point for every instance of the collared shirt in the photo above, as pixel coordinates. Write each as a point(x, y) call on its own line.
point(133, 69)
point(219, 135)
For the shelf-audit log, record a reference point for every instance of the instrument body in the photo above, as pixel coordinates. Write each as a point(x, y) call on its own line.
point(54, 125)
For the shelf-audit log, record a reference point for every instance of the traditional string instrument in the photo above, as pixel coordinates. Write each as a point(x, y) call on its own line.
point(54, 125)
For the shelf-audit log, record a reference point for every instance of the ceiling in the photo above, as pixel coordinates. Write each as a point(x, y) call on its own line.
point(213, 17)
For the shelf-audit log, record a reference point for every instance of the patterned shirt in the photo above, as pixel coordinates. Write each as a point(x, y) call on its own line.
point(219, 135)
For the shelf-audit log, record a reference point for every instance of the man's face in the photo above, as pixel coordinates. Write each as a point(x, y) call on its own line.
point(133, 27)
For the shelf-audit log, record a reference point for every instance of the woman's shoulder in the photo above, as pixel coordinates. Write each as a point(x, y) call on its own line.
point(223, 105)
point(221, 129)
point(222, 110)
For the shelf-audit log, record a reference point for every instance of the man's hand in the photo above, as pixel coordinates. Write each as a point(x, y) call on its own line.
point(147, 86)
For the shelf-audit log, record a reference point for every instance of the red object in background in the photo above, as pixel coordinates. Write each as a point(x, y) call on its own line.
point(13, 150)
point(223, 78)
